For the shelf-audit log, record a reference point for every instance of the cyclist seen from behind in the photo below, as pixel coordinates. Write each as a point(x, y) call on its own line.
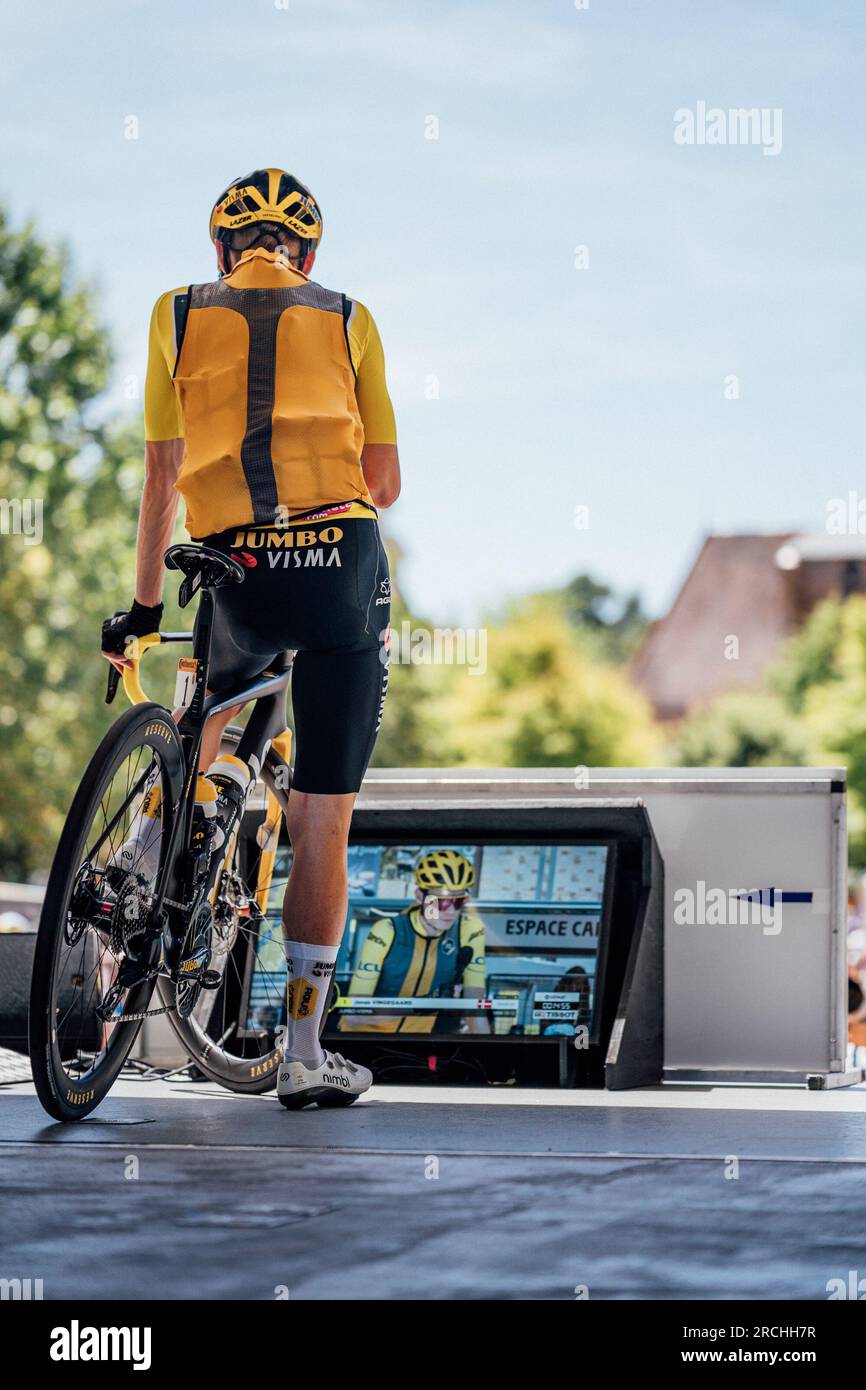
point(266, 409)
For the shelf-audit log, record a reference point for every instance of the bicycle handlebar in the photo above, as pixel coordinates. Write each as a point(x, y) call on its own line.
point(134, 651)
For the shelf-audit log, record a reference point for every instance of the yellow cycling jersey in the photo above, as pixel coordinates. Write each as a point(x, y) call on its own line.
point(274, 393)
point(401, 958)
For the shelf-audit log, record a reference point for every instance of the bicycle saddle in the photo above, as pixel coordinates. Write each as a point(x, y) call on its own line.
point(202, 568)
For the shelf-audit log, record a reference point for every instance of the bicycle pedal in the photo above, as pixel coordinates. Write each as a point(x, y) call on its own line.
point(211, 979)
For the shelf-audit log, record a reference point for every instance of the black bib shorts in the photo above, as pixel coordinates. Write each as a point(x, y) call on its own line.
point(322, 590)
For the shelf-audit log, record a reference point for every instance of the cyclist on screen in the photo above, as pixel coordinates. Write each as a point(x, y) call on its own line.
point(266, 409)
point(434, 948)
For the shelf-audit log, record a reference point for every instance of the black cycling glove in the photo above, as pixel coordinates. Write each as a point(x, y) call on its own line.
point(137, 622)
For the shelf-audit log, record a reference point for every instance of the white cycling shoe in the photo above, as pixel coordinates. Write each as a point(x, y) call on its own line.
point(335, 1082)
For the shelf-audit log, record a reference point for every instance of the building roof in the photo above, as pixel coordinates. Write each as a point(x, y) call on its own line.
point(724, 628)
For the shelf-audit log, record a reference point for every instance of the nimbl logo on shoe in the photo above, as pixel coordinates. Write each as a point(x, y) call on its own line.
point(77, 1343)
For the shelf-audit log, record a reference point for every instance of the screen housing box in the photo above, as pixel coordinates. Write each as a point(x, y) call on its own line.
point(625, 1045)
point(739, 1005)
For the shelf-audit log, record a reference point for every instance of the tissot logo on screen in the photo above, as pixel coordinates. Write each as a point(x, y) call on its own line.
point(77, 1343)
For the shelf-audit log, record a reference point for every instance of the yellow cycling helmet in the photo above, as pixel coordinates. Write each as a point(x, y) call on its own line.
point(444, 872)
point(268, 195)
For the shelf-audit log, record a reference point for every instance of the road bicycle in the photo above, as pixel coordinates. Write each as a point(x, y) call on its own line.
point(111, 936)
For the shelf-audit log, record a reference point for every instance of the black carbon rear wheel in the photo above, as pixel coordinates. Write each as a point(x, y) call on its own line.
point(216, 1035)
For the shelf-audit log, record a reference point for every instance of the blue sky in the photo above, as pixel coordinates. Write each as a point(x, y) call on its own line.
point(558, 387)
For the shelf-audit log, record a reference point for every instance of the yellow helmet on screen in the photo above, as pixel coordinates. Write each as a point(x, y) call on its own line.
point(444, 872)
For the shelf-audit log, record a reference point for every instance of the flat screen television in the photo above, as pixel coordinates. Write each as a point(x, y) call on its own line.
point(523, 960)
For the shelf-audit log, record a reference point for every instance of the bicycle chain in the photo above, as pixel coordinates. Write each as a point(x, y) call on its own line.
point(147, 1013)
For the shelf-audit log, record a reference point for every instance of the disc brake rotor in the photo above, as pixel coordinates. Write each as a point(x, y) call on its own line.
point(196, 954)
point(231, 908)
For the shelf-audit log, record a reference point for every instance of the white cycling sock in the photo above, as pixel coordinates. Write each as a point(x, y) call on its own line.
point(310, 969)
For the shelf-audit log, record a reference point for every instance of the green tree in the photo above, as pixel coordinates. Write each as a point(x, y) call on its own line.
point(812, 712)
point(809, 657)
point(617, 623)
point(546, 700)
point(834, 707)
point(743, 728)
point(73, 484)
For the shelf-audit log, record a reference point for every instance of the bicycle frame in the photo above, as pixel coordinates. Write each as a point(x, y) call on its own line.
point(266, 726)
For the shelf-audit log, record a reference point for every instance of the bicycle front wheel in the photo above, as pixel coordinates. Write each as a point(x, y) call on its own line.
point(95, 939)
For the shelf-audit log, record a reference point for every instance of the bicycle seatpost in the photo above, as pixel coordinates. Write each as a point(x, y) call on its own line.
point(190, 724)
